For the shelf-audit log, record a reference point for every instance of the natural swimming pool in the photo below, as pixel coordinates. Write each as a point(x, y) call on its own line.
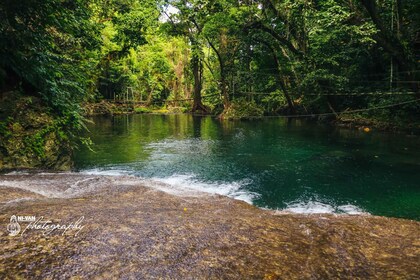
point(276, 163)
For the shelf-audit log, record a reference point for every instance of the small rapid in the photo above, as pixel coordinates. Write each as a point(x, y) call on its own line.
point(294, 166)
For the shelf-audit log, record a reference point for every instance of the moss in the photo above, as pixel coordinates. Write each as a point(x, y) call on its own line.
point(178, 110)
point(109, 108)
point(142, 110)
point(243, 109)
point(32, 137)
point(17, 128)
point(161, 111)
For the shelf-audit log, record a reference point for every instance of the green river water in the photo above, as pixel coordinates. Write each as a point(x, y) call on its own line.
point(275, 163)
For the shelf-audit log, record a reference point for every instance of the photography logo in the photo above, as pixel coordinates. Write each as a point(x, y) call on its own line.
point(13, 227)
point(43, 225)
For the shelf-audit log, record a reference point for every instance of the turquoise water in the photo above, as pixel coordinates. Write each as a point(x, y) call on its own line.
point(274, 163)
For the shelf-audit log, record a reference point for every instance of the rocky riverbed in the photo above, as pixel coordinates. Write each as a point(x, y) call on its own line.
point(129, 228)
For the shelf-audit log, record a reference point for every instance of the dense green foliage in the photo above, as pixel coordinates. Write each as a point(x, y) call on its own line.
point(48, 47)
point(299, 55)
point(304, 56)
point(280, 56)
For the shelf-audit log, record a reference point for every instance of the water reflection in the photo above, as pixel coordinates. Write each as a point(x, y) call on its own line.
point(286, 162)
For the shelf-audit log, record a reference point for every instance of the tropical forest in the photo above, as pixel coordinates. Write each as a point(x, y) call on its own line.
point(209, 139)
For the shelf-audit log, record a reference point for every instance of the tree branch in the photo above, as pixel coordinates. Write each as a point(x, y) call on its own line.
point(283, 41)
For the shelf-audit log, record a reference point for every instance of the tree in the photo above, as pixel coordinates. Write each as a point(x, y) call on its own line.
point(124, 25)
point(48, 47)
point(184, 23)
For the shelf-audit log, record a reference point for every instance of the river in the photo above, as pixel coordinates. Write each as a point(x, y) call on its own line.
point(275, 163)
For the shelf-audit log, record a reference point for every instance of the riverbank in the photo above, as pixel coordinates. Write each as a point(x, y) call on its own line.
point(361, 123)
point(105, 107)
point(242, 112)
point(135, 228)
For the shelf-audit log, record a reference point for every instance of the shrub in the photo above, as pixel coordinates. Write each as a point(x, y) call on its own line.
point(243, 109)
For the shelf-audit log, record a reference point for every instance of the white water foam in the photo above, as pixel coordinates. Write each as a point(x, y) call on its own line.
point(315, 207)
point(48, 186)
point(183, 183)
point(17, 173)
point(105, 172)
point(177, 184)
point(351, 209)
point(187, 184)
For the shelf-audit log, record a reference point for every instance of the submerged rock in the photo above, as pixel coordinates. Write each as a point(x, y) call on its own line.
point(131, 230)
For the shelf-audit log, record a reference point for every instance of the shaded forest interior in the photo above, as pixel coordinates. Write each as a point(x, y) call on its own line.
point(231, 58)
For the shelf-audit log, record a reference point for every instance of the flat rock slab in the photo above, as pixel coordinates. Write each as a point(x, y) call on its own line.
point(133, 231)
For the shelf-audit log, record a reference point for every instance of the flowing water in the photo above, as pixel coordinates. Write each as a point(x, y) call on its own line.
point(275, 163)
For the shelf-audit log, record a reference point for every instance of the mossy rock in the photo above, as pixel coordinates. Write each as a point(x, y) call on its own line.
point(31, 137)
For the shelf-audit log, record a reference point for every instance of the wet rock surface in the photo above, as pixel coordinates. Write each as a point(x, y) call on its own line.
point(132, 230)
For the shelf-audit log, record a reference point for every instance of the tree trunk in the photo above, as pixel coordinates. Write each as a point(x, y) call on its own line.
point(224, 90)
point(223, 81)
point(392, 43)
point(198, 105)
point(283, 87)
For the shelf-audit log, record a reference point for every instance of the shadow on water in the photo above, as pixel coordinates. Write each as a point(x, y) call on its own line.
point(275, 163)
